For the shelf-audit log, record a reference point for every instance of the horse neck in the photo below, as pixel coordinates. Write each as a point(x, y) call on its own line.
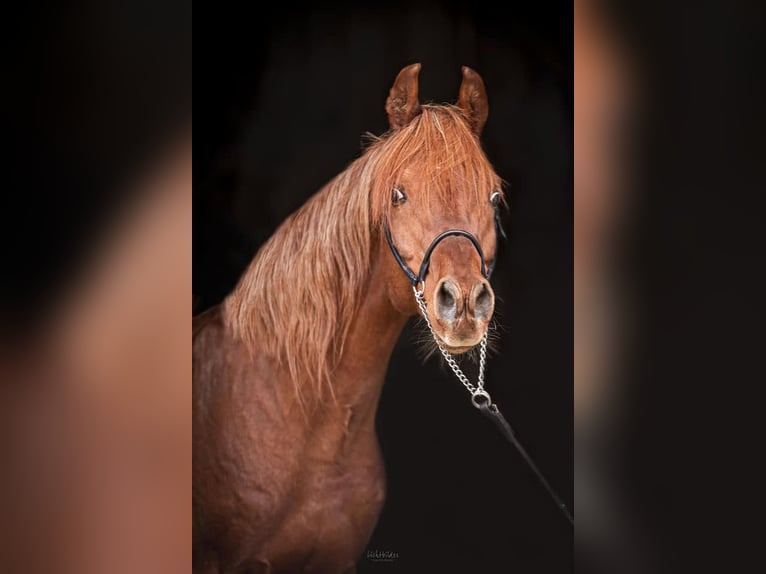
point(361, 371)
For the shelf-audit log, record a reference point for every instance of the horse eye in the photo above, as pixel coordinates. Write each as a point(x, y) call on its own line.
point(494, 199)
point(397, 196)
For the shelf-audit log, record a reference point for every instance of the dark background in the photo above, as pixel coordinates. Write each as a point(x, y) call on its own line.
point(282, 100)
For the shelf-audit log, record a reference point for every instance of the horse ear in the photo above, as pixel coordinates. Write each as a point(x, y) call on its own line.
point(402, 104)
point(473, 99)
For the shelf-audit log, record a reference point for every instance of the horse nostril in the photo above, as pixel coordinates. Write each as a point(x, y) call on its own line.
point(446, 304)
point(483, 301)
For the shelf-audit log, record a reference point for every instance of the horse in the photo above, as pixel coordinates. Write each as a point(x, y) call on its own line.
point(288, 369)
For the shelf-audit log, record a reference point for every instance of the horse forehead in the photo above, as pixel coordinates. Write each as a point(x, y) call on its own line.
point(452, 202)
point(465, 210)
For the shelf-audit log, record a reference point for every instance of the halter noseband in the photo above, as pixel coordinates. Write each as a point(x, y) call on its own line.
point(418, 279)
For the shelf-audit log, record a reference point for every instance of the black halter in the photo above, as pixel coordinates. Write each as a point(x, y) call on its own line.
point(486, 270)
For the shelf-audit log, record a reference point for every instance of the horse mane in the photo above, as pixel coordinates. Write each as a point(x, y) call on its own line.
point(298, 298)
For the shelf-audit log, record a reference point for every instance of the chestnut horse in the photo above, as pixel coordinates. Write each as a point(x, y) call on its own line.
point(288, 370)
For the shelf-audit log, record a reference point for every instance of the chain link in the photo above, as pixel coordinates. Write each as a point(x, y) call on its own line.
point(475, 390)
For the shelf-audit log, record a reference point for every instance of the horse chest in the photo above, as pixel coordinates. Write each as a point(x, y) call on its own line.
point(331, 518)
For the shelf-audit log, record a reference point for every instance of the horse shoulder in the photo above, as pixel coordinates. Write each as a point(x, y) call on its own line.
point(235, 487)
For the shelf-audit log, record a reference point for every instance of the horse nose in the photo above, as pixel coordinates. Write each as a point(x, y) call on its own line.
point(481, 300)
point(449, 301)
point(452, 301)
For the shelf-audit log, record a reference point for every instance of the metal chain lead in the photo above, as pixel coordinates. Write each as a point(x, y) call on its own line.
point(479, 396)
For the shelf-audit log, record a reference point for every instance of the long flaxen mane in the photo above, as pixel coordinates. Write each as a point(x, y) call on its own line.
point(298, 298)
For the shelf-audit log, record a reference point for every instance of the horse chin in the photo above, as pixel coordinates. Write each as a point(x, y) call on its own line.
point(458, 349)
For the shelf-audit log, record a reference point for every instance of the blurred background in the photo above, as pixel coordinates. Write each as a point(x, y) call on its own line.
point(281, 105)
point(606, 95)
point(95, 361)
point(668, 284)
